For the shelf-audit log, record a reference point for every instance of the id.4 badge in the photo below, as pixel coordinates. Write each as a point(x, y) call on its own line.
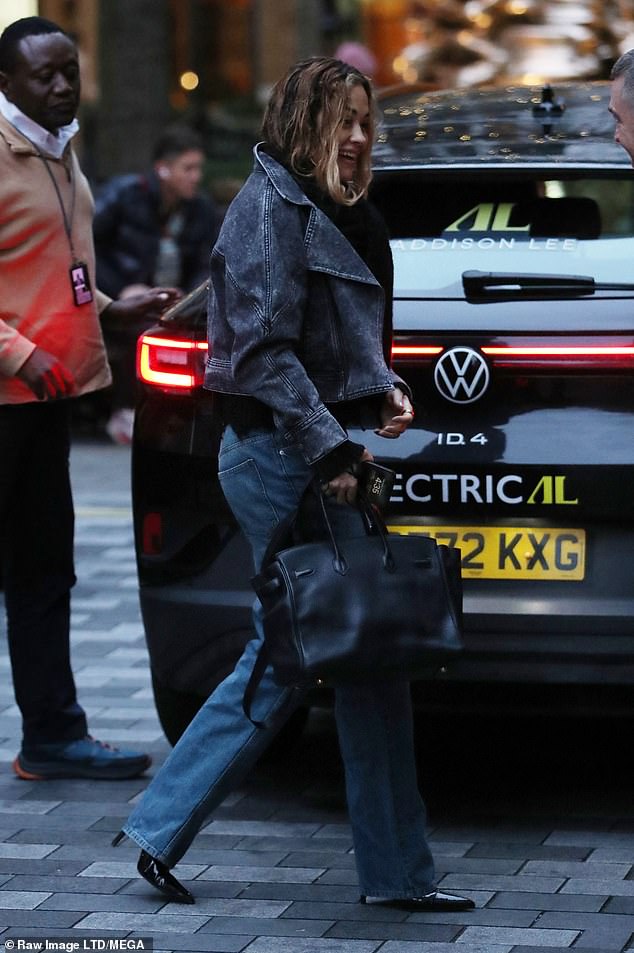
point(80, 283)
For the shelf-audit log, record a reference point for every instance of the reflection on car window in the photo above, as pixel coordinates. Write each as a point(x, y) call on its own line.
point(614, 199)
point(582, 209)
point(440, 228)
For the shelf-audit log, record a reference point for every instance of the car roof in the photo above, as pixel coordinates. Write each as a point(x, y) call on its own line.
point(495, 127)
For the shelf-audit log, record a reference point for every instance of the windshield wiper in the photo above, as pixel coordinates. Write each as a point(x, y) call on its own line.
point(487, 284)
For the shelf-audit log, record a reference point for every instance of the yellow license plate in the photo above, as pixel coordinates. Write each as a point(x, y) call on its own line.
point(511, 552)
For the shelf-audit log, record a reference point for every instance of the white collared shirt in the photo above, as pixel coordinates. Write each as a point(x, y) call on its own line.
point(50, 143)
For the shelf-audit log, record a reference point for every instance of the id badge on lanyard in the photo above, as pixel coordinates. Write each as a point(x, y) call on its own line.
point(80, 283)
point(78, 271)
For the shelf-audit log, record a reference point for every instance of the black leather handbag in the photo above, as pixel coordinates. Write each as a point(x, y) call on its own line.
point(376, 606)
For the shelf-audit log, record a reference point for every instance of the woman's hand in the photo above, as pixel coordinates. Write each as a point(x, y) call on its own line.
point(344, 487)
point(397, 414)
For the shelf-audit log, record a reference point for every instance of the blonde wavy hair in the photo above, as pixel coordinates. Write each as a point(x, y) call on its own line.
point(305, 109)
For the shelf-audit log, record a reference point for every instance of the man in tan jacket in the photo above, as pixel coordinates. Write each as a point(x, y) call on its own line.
point(51, 350)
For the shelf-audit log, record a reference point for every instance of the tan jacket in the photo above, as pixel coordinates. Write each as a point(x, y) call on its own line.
point(36, 299)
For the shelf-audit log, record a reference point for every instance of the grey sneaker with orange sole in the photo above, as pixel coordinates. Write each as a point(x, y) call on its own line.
point(83, 758)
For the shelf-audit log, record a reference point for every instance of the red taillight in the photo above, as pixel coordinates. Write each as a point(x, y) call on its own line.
point(415, 351)
point(152, 534)
point(562, 356)
point(169, 362)
point(548, 354)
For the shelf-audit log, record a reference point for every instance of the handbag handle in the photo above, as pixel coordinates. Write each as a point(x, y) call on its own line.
point(371, 519)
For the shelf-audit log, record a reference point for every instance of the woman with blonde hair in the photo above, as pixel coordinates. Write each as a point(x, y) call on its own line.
point(300, 337)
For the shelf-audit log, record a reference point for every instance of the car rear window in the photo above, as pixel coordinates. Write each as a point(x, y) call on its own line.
point(439, 228)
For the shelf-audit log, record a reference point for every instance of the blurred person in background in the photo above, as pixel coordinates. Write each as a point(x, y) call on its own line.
point(51, 350)
point(357, 55)
point(151, 228)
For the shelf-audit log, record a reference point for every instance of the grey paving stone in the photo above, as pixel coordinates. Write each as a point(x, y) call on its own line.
point(349, 912)
point(53, 883)
point(544, 901)
point(534, 852)
point(599, 929)
point(486, 834)
point(67, 835)
point(556, 949)
point(260, 828)
point(399, 946)
point(22, 805)
point(615, 888)
point(334, 830)
point(310, 892)
point(393, 931)
point(37, 919)
point(46, 866)
point(56, 933)
point(22, 899)
point(612, 854)
point(475, 865)
point(83, 796)
point(27, 851)
point(266, 874)
point(237, 858)
point(620, 905)
point(481, 916)
point(91, 810)
point(316, 843)
point(246, 925)
point(7, 831)
point(309, 858)
point(536, 936)
point(522, 883)
point(145, 924)
point(339, 875)
point(38, 824)
point(317, 945)
point(587, 838)
point(242, 908)
point(578, 869)
point(450, 848)
point(203, 942)
point(89, 903)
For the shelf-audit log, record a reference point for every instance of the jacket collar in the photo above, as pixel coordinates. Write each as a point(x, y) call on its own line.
point(280, 177)
point(15, 141)
point(19, 143)
point(328, 249)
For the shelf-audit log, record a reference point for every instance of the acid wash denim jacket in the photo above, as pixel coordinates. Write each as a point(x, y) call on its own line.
point(295, 316)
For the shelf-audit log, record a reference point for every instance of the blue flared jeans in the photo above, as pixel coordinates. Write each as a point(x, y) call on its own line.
point(264, 481)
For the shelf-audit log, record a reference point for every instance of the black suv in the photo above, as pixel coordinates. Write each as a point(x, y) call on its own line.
point(512, 218)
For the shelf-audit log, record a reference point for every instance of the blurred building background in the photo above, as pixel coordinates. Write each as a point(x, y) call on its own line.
point(212, 62)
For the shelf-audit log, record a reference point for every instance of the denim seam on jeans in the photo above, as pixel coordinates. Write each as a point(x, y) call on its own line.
point(165, 855)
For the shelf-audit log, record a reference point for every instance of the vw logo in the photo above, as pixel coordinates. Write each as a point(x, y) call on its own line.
point(461, 375)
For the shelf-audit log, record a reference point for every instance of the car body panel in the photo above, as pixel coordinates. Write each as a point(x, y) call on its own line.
point(532, 478)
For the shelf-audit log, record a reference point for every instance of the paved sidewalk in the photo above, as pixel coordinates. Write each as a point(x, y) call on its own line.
point(550, 866)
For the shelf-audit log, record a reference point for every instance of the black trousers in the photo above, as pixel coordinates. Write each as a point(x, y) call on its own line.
point(36, 557)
